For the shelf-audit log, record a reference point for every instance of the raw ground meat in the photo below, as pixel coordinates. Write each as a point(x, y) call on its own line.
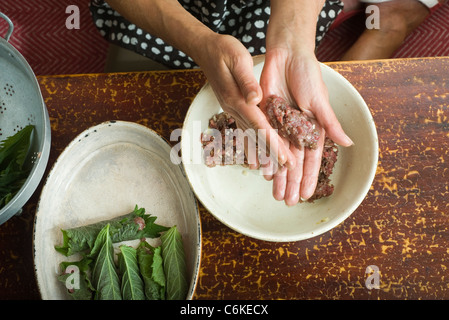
point(225, 125)
point(215, 151)
point(324, 186)
point(291, 123)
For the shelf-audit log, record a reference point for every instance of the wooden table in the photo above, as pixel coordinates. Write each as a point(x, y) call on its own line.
point(402, 226)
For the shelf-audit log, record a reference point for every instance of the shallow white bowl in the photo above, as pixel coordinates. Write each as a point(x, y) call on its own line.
point(242, 199)
point(104, 173)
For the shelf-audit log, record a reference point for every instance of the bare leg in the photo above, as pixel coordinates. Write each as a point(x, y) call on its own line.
point(398, 18)
point(349, 5)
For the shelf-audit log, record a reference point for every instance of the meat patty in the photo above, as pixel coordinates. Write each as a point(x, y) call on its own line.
point(291, 123)
point(324, 186)
point(220, 145)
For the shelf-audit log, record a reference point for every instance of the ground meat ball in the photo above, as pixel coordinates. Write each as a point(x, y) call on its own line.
point(216, 152)
point(226, 124)
point(291, 123)
point(324, 186)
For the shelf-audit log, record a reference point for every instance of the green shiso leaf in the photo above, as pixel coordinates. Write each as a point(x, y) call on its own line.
point(105, 279)
point(152, 270)
point(132, 287)
point(174, 264)
point(132, 226)
point(13, 172)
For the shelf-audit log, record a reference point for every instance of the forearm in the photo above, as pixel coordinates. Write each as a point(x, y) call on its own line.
point(293, 24)
point(165, 19)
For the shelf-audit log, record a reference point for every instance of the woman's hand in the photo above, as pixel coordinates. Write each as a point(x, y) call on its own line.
point(292, 72)
point(228, 67)
point(295, 75)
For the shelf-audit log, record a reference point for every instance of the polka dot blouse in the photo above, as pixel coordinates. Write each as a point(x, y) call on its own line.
point(245, 20)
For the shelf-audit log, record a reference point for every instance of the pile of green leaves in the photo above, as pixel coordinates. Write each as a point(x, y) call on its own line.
point(13, 173)
point(137, 273)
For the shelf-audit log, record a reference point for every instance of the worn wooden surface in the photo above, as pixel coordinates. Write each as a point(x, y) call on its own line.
point(402, 226)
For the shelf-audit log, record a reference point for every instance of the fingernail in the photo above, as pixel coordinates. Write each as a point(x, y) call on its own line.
point(251, 97)
point(285, 161)
point(291, 164)
point(307, 189)
point(281, 160)
point(349, 142)
point(291, 197)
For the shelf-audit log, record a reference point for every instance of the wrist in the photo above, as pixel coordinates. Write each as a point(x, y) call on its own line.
point(198, 48)
point(290, 41)
point(294, 25)
point(286, 53)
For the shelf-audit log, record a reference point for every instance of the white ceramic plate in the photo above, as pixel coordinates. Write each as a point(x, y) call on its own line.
point(103, 173)
point(242, 199)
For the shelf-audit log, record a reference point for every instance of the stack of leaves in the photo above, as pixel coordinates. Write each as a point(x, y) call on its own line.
point(144, 272)
point(13, 172)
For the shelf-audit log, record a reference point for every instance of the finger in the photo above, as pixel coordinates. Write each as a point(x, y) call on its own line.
point(294, 178)
point(248, 139)
point(267, 171)
point(280, 174)
point(280, 183)
point(312, 164)
point(242, 70)
point(268, 167)
point(326, 117)
point(268, 138)
point(335, 131)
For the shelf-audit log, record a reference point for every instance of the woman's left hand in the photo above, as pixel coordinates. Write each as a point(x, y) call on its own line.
point(297, 78)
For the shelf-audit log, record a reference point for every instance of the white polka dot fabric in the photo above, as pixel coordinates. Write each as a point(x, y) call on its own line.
point(245, 20)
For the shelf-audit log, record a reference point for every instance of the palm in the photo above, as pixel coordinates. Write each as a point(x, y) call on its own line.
point(299, 82)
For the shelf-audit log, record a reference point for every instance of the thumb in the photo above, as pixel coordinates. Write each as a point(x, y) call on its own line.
point(328, 120)
point(250, 89)
point(244, 77)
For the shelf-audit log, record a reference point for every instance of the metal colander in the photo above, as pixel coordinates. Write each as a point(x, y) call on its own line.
point(21, 104)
